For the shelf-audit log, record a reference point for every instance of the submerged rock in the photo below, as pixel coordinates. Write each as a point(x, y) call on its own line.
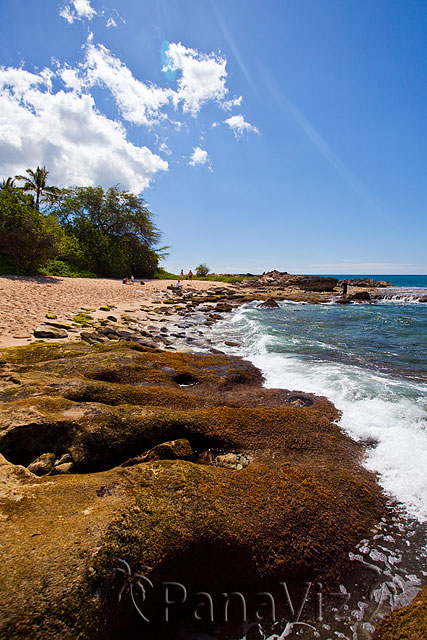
point(270, 303)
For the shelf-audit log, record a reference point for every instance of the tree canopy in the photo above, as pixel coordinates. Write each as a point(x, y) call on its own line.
point(27, 236)
point(109, 233)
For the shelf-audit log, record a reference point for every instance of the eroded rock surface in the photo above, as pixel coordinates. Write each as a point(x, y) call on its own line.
point(231, 486)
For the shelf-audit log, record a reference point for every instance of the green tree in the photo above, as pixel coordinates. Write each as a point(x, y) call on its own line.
point(35, 181)
point(202, 270)
point(27, 236)
point(113, 231)
point(6, 183)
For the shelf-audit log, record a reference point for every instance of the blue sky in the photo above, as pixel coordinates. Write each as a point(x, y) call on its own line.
point(287, 134)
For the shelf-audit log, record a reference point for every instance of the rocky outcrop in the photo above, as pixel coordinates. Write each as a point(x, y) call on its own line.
point(406, 623)
point(306, 283)
point(367, 282)
point(232, 486)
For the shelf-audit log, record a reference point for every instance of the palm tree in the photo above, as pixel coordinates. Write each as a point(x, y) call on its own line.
point(36, 182)
point(7, 184)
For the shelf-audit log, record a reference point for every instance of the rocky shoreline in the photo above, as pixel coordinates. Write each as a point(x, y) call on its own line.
point(128, 450)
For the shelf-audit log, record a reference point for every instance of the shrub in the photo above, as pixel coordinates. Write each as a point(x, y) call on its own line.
point(202, 270)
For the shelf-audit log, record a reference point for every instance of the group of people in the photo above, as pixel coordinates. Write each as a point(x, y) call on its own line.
point(130, 280)
point(182, 277)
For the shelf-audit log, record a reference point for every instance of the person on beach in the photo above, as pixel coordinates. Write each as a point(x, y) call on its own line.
point(344, 285)
point(190, 275)
point(182, 274)
point(132, 280)
point(124, 281)
point(179, 284)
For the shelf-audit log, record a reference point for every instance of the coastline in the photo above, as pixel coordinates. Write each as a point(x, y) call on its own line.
point(166, 310)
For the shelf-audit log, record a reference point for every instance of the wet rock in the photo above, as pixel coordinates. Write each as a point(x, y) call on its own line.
point(270, 303)
point(231, 343)
point(406, 623)
point(361, 295)
point(342, 301)
point(42, 465)
point(51, 333)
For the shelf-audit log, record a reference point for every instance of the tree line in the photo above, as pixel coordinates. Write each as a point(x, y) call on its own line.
point(78, 231)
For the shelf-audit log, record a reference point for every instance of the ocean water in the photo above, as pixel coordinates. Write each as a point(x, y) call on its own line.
point(370, 360)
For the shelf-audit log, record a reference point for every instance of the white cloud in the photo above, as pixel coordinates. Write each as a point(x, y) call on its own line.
point(203, 77)
point(138, 102)
point(165, 149)
point(239, 125)
point(199, 156)
point(65, 132)
point(82, 11)
point(111, 22)
point(229, 104)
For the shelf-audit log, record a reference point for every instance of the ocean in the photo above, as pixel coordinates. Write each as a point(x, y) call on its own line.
point(370, 361)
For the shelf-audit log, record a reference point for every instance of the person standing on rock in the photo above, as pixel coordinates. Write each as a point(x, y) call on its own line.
point(344, 287)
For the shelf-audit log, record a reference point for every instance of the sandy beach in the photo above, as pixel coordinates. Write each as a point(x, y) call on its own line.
point(25, 300)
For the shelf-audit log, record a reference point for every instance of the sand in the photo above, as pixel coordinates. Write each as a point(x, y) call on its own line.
point(25, 301)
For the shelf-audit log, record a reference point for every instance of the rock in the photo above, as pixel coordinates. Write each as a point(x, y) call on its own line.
point(223, 306)
point(406, 623)
point(64, 459)
point(61, 469)
point(50, 332)
point(270, 303)
point(235, 461)
point(273, 520)
point(307, 283)
point(91, 337)
point(422, 299)
point(361, 295)
point(50, 316)
point(342, 300)
point(42, 465)
point(173, 450)
point(368, 282)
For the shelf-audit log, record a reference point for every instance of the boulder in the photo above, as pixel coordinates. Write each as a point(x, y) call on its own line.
point(52, 333)
point(361, 295)
point(42, 465)
point(270, 303)
point(342, 300)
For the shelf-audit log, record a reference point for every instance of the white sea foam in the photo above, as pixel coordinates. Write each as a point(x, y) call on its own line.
point(389, 411)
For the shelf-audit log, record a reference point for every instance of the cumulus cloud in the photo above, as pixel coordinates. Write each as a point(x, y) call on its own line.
point(65, 132)
point(203, 77)
point(138, 102)
point(77, 10)
point(239, 125)
point(199, 156)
